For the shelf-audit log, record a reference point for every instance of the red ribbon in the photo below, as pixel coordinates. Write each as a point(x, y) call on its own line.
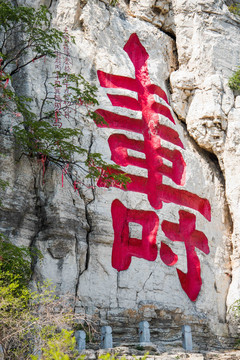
point(64, 171)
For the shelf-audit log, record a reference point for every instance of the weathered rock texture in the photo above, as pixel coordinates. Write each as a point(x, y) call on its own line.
point(193, 48)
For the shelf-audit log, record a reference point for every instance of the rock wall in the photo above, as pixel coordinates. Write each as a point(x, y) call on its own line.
point(193, 49)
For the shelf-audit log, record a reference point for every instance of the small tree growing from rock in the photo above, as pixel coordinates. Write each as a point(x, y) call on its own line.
point(27, 36)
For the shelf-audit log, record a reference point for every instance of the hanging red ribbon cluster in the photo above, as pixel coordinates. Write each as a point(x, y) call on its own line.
point(62, 106)
point(57, 93)
point(67, 68)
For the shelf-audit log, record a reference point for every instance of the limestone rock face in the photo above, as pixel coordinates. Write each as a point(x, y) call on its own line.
point(193, 48)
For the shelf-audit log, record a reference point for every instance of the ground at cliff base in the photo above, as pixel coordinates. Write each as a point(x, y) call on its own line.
point(128, 354)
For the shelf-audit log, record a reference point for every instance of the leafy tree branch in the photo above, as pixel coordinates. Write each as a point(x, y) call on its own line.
point(27, 36)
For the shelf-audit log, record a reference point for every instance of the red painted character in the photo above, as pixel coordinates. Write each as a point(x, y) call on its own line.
point(125, 247)
point(185, 232)
point(153, 133)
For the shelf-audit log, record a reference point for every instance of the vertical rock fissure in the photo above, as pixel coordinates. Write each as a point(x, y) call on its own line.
point(40, 214)
point(78, 271)
point(89, 227)
point(88, 217)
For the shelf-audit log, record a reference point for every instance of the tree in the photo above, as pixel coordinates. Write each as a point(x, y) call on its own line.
point(27, 36)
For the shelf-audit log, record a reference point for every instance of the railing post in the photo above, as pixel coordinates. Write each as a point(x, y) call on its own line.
point(144, 332)
point(187, 337)
point(106, 337)
point(80, 337)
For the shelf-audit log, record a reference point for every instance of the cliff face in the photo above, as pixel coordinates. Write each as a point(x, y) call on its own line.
point(192, 48)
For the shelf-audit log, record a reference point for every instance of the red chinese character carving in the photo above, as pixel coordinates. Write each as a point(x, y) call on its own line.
point(152, 132)
point(125, 247)
point(191, 282)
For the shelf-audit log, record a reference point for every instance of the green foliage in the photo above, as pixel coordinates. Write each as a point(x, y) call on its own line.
point(33, 321)
point(113, 2)
point(13, 295)
point(61, 346)
point(82, 91)
point(28, 36)
point(14, 299)
point(15, 262)
point(234, 81)
point(35, 35)
point(39, 137)
point(234, 9)
point(235, 308)
point(234, 311)
point(15, 272)
point(30, 321)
